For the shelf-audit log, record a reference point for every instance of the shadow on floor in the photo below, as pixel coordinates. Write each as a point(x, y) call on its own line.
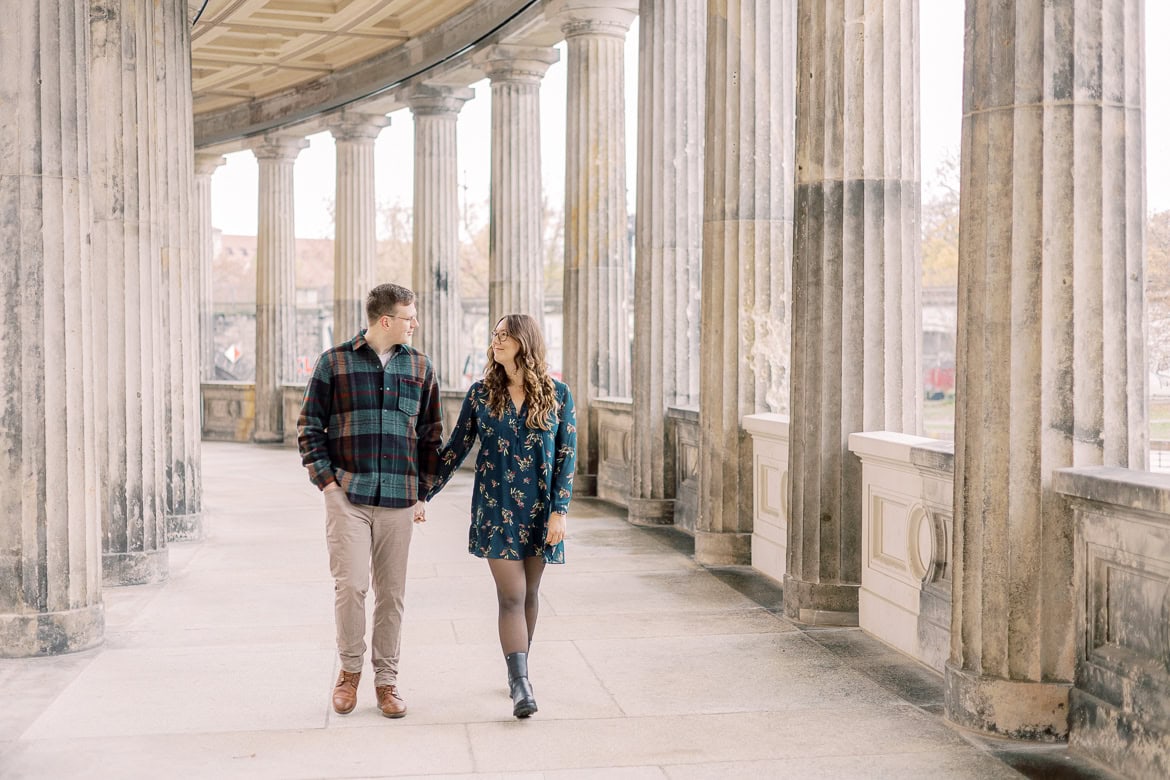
point(903, 676)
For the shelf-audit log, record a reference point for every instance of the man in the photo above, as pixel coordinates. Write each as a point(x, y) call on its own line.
point(369, 434)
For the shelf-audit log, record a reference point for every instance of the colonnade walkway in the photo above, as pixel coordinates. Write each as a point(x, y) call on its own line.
point(645, 665)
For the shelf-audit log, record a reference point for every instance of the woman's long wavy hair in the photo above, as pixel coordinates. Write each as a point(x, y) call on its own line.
point(530, 358)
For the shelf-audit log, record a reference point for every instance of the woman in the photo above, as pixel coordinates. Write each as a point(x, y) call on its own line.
point(523, 482)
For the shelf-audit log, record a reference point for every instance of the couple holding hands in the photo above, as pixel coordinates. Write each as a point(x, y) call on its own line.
point(370, 436)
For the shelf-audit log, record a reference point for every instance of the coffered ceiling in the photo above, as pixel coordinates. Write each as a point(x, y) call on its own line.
point(244, 50)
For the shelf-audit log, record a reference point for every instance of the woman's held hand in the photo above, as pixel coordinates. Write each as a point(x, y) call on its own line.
point(556, 529)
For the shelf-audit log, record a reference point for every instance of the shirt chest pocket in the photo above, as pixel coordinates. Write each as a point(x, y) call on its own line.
point(409, 395)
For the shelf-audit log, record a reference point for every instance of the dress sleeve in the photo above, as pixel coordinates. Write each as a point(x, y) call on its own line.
point(454, 452)
point(312, 436)
point(566, 455)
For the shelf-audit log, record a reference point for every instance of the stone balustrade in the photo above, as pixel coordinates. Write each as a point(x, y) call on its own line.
point(1119, 707)
point(906, 527)
point(682, 439)
point(769, 434)
point(614, 426)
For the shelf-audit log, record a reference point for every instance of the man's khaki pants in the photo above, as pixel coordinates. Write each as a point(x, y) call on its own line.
point(360, 536)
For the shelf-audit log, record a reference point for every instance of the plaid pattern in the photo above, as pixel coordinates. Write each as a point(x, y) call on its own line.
point(375, 432)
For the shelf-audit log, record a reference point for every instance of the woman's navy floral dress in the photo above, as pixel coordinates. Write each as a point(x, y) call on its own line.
point(522, 475)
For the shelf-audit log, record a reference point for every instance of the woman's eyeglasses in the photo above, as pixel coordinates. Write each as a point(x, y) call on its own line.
point(500, 336)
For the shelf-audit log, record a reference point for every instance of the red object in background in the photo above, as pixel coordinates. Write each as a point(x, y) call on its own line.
point(939, 380)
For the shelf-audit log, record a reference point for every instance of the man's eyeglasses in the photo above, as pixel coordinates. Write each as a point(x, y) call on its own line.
point(406, 319)
point(500, 336)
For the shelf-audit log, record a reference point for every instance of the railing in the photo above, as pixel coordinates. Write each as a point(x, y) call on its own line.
point(769, 434)
point(1119, 708)
point(906, 526)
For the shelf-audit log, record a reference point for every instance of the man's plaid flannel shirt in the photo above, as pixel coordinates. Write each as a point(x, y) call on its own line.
point(375, 432)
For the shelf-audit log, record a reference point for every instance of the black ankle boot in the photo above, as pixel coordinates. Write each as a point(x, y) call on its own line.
point(523, 702)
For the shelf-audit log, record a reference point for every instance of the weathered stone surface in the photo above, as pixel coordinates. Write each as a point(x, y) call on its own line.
point(129, 342)
point(747, 252)
point(855, 278)
point(175, 137)
point(50, 546)
point(668, 240)
point(1051, 367)
point(355, 219)
point(275, 281)
point(436, 226)
point(516, 254)
point(597, 253)
point(1119, 709)
point(204, 249)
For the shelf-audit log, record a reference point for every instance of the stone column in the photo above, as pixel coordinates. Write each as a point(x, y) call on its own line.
point(747, 249)
point(436, 226)
point(276, 316)
point(516, 261)
point(128, 339)
point(1050, 352)
point(597, 253)
point(205, 165)
point(355, 219)
point(50, 566)
point(668, 241)
point(855, 281)
point(175, 136)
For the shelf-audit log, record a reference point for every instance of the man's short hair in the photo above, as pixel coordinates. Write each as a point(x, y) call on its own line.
point(385, 298)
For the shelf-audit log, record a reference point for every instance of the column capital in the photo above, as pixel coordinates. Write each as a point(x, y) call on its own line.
point(279, 147)
point(523, 64)
point(434, 99)
point(592, 17)
point(356, 126)
point(207, 162)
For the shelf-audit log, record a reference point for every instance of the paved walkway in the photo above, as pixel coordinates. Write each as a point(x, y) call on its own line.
point(645, 665)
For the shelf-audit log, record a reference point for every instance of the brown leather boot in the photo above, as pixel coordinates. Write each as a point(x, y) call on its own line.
point(389, 701)
point(345, 692)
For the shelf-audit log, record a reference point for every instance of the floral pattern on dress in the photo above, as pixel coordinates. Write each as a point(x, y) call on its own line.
point(522, 475)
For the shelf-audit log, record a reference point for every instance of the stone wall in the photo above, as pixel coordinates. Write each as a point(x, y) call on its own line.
point(682, 432)
point(615, 424)
point(905, 595)
point(769, 434)
point(1119, 708)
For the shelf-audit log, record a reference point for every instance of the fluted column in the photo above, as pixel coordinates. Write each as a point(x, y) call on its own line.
point(516, 260)
point(436, 226)
point(175, 134)
point(597, 253)
point(855, 281)
point(50, 563)
point(128, 342)
point(276, 320)
point(205, 165)
point(355, 216)
point(747, 250)
point(668, 239)
point(1051, 359)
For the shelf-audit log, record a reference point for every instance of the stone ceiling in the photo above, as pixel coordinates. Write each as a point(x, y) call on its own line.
point(261, 64)
point(242, 50)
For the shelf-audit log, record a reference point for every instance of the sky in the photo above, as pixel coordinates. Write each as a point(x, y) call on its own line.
point(234, 198)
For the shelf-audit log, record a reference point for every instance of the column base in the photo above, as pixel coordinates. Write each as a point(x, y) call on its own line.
point(1019, 709)
point(651, 511)
point(52, 633)
point(134, 568)
point(585, 485)
point(185, 528)
point(820, 603)
point(714, 548)
point(268, 437)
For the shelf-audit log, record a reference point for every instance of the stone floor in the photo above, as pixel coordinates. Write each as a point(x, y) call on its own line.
point(645, 666)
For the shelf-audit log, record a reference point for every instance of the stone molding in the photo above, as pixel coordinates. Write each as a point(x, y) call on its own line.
point(516, 64)
point(1119, 708)
point(770, 445)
